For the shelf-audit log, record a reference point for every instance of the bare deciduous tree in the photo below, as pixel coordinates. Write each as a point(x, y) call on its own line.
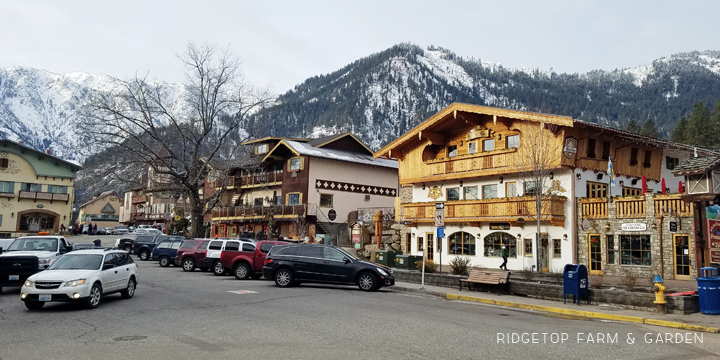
point(539, 157)
point(178, 132)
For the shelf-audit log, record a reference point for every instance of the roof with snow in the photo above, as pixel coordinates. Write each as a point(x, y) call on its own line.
point(306, 149)
point(43, 163)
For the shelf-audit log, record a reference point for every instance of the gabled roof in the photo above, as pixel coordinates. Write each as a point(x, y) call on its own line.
point(453, 110)
point(272, 138)
point(102, 196)
point(695, 165)
point(330, 139)
point(305, 149)
point(13, 146)
point(107, 209)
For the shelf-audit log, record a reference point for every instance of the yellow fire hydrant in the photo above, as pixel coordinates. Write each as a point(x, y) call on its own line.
point(659, 294)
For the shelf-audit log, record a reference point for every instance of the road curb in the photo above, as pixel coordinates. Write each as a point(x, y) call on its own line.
point(585, 314)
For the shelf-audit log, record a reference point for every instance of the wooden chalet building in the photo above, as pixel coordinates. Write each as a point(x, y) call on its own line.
point(302, 183)
point(474, 159)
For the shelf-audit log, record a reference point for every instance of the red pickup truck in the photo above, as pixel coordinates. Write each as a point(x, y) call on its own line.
point(245, 264)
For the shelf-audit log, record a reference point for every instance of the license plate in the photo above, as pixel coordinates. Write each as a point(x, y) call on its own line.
point(14, 277)
point(45, 298)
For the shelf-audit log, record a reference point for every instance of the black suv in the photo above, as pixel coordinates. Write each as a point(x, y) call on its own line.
point(144, 244)
point(293, 264)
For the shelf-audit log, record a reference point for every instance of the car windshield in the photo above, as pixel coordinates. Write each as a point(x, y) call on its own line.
point(34, 244)
point(77, 262)
point(154, 231)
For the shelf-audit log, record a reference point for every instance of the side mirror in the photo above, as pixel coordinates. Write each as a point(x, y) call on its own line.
point(1, 250)
point(346, 260)
point(107, 266)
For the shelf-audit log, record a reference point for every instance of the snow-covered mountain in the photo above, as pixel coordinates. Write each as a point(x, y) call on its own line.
point(381, 96)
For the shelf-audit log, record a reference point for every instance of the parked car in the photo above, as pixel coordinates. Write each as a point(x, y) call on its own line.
point(248, 261)
point(83, 246)
point(191, 254)
point(214, 251)
point(147, 231)
point(293, 264)
point(125, 242)
point(28, 255)
point(144, 244)
point(100, 231)
point(83, 276)
point(165, 251)
point(131, 229)
point(120, 230)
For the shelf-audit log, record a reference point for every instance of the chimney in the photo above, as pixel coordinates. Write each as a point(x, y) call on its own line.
point(47, 151)
point(20, 142)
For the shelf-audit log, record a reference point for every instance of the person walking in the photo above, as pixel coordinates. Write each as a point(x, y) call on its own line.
point(504, 255)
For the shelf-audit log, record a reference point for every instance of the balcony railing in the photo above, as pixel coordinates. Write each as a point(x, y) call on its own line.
point(501, 209)
point(635, 207)
point(148, 216)
point(254, 180)
point(259, 212)
point(138, 199)
point(43, 196)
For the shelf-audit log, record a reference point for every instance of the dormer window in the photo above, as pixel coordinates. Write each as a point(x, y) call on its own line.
point(261, 149)
point(513, 141)
point(489, 145)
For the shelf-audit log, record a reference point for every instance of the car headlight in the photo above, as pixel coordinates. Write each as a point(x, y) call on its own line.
point(28, 283)
point(75, 283)
point(382, 271)
point(43, 261)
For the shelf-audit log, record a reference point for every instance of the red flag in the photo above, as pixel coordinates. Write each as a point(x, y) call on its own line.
point(644, 185)
point(663, 186)
point(680, 187)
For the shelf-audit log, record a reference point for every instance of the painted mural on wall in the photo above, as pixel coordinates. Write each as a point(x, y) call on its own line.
point(713, 216)
point(6, 204)
point(11, 169)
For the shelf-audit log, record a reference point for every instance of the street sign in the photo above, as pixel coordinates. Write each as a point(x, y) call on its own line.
point(439, 217)
point(332, 214)
point(439, 206)
point(405, 222)
point(440, 232)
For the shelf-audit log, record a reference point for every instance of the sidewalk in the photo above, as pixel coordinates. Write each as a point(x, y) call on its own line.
point(693, 322)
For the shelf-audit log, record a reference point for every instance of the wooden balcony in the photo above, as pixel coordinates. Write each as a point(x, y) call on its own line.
point(258, 212)
point(490, 210)
point(635, 207)
point(43, 196)
point(255, 180)
point(138, 199)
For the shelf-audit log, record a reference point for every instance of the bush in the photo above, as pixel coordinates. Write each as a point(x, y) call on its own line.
point(527, 274)
point(629, 279)
point(460, 265)
point(429, 266)
point(557, 276)
point(597, 281)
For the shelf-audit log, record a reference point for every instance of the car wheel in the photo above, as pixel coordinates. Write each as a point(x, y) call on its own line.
point(367, 282)
point(130, 289)
point(241, 271)
point(95, 296)
point(188, 264)
point(218, 269)
point(284, 278)
point(144, 255)
point(164, 261)
point(34, 305)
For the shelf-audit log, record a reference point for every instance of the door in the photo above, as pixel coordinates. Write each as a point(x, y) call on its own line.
point(595, 251)
point(430, 245)
point(111, 276)
point(683, 270)
point(260, 256)
point(309, 263)
point(335, 268)
point(544, 253)
point(123, 265)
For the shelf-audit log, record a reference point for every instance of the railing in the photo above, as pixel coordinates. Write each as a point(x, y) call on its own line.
point(671, 205)
point(487, 209)
point(478, 161)
point(594, 208)
point(43, 196)
point(261, 179)
point(239, 212)
point(629, 208)
point(138, 199)
point(148, 216)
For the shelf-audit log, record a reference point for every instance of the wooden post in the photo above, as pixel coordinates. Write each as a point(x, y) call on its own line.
point(378, 219)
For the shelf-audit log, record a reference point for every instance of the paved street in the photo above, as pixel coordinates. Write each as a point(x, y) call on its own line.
point(179, 315)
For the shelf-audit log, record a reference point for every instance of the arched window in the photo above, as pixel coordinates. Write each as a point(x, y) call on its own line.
point(495, 241)
point(461, 243)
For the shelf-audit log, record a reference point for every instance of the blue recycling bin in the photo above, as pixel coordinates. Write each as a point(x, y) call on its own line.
point(575, 282)
point(709, 291)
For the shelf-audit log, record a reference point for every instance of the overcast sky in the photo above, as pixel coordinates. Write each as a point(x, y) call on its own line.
point(281, 43)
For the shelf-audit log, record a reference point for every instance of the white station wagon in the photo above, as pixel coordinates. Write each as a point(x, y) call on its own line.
point(82, 276)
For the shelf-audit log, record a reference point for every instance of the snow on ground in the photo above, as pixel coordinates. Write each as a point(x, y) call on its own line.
point(452, 73)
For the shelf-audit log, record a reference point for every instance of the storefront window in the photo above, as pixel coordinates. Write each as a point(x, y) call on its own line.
point(610, 241)
point(635, 250)
point(495, 241)
point(461, 243)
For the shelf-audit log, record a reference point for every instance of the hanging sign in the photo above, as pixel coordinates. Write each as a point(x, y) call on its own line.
point(673, 226)
point(500, 226)
point(714, 240)
point(332, 214)
point(633, 227)
point(570, 148)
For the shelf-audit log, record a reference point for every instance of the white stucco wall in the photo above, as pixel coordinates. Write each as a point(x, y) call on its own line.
point(343, 201)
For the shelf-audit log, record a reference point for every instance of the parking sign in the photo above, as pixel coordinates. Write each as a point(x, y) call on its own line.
point(439, 217)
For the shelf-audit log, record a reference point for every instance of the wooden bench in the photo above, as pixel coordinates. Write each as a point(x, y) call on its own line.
point(487, 277)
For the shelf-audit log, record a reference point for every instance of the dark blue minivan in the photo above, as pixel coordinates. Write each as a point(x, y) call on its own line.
point(165, 251)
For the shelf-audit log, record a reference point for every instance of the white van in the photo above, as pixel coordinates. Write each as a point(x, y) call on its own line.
point(215, 249)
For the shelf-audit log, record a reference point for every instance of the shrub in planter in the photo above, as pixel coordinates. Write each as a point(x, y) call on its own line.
point(429, 266)
point(460, 265)
point(597, 281)
point(557, 276)
point(527, 274)
point(630, 279)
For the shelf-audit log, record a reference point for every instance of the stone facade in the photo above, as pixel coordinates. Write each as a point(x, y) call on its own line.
point(661, 239)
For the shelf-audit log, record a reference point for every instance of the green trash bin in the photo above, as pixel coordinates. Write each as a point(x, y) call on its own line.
point(412, 261)
point(402, 261)
point(385, 257)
